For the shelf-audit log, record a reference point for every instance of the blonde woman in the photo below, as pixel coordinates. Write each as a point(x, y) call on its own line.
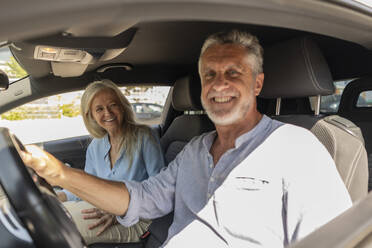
point(121, 149)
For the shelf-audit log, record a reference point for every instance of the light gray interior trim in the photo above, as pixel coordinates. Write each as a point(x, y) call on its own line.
point(345, 231)
point(311, 15)
point(11, 222)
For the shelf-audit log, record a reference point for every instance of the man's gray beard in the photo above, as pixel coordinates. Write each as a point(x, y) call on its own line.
point(229, 117)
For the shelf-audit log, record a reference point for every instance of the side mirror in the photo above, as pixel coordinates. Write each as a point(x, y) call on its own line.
point(4, 81)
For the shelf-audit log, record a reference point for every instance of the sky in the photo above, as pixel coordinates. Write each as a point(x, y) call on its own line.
point(5, 54)
point(365, 2)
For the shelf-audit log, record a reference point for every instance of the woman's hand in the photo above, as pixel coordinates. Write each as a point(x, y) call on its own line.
point(104, 219)
point(62, 196)
point(44, 164)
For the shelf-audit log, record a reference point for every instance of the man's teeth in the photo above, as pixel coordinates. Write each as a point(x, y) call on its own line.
point(223, 99)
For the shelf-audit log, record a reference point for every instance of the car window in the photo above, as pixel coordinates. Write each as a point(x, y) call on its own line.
point(10, 66)
point(365, 99)
point(330, 104)
point(57, 117)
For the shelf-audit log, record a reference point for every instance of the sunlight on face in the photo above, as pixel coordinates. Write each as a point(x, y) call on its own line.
point(107, 111)
point(227, 84)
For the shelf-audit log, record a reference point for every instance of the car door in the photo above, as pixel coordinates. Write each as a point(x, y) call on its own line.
point(70, 151)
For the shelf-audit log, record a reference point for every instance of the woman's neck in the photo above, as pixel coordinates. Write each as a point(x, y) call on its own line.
point(115, 141)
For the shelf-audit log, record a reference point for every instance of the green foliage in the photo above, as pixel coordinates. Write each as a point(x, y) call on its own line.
point(14, 115)
point(32, 112)
point(41, 112)
point(15, 70)
point(70, 110)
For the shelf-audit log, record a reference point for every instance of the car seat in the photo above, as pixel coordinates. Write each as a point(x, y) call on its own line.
point(297, 69)
point(362, 116)
point(193, 121)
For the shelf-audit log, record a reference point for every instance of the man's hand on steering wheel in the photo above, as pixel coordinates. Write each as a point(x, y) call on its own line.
point(29, 196)
point(44, 164)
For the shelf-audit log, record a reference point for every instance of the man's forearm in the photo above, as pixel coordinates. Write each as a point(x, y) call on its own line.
point(110, 196)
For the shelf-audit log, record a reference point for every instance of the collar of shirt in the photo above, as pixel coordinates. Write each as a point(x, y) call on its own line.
point(107, 147)
point(261, 125)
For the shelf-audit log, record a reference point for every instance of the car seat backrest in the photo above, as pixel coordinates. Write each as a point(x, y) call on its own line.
point(344, 141)
point(297, 69)
point(193, 122)
point(361, 116)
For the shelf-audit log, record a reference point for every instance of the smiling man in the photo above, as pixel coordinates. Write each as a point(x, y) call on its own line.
point(253, 182)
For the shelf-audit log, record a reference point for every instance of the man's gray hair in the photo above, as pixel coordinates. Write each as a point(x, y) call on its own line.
point(245, 39)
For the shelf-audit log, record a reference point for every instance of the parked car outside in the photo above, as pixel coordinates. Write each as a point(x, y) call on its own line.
point(147, 111)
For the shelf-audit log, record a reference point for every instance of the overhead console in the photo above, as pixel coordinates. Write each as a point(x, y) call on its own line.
point(69, 54)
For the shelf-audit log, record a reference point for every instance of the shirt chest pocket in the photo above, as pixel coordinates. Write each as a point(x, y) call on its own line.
point(241, 199)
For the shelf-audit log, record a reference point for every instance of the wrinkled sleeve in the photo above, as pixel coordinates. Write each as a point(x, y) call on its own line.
point(153, 197)
point(89, 168)
point(152, 154)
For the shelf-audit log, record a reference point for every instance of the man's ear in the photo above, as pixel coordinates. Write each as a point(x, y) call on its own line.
point(259, 83)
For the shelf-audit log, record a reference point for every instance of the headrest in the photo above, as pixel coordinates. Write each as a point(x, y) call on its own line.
point(186, 94)
point(351, 92)
point(296, 68)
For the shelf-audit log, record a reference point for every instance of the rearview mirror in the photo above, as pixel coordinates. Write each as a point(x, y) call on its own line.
point(4, 81)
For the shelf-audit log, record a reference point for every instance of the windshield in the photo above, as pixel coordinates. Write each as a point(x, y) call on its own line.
point(365, 2)
point(10, 65)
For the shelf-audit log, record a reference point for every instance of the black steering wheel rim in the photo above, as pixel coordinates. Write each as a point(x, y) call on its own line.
point(42, 214)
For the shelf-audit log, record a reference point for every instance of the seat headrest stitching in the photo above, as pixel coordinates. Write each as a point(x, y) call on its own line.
point(354, 166)
point(309, 66)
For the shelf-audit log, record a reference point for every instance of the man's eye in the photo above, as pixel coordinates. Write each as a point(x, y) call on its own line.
point(233, 73)
point(209, 75)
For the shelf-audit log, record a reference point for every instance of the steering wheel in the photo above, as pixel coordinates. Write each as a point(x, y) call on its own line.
point(41, 213)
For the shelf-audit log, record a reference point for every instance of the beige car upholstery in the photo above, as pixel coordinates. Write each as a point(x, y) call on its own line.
point(360, 115)
point(344, 141)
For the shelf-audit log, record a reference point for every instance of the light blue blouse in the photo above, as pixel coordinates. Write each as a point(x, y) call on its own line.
point(147, 161)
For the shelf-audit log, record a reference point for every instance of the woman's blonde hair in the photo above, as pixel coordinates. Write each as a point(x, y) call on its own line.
point(131, 131)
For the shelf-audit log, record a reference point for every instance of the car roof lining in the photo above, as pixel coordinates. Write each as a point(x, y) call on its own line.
point(323, 17)
point(168, 44)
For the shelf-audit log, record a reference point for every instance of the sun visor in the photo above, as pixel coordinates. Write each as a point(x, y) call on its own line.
point(67, 40)
point(65, 47)
point(70, 55)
